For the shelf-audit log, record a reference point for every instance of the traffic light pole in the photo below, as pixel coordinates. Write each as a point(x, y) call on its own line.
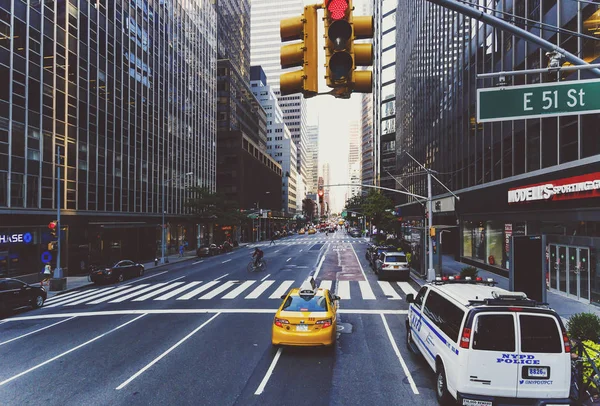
point(58, 274)
point(431, 270)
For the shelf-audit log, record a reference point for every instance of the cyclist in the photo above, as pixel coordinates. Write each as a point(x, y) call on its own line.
point(258, 255)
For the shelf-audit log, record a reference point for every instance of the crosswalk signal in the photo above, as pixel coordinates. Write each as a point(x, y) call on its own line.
point(303, 53)
point(342, 54)
point(321, 196)
point(53, 226)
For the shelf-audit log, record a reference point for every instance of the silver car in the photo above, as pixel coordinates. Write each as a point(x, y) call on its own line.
point(392, 265)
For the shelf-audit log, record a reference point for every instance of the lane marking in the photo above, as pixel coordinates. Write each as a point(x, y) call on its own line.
point(218, 290)
point(366, 291)
point(85, 294)
point(198, 262)
point(237, 291)
point(259, 290)
point(281, 290)
point(389, 291)
point(277, 251)
point(188, 311)
point(164, 354)
point(151, 276)
point(326, 285)
point(222, 276)
point(320, 265)
point(265, 277)
point(227, 260)
point(93, 297)
point(301, 250)
point(229, 253)
point(139, 292)
point(395, 347)
point(115, 295)
point(197, 291)
point(69, 351)
point(343, 289)
point(157, 292)
point(288, 260)
point(65, 295)
point(359, 264)
point(35, 331)
point(264, 381)
point(406, 288)
point(177, 291)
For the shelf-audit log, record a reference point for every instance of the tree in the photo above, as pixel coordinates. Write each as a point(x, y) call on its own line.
point(308, 208)
point(376, 207)
point(213, 206)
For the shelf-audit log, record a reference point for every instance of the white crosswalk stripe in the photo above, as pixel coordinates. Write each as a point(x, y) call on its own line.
point(198, 290)
point(68, 296)
point(177, 291)
point(343, 289)
point(259, 290)
point(366, 291)
point(239, 290)
point(228, 290)
point(157, 292)
point(389, 291)
point(281, 290)
point(218, 290)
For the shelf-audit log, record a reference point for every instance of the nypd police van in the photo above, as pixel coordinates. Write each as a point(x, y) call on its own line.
point(488, 346)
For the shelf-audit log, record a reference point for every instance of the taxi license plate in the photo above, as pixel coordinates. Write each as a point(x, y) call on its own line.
point(302, 327)
point(537, 372)
point(472, 402)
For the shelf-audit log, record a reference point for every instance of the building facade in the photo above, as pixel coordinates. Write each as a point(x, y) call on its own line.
point(120, 97)
point(233, 32)
point(312, 163)
point(497, 168)
point(265, 50)
point(366, 148)
point(280, 145)
point(384, 94)
point(354, 158)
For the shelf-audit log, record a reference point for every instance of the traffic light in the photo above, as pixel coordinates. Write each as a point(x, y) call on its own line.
point(52, 245)
point(303, 53)
point(432, 231)
point(342, 54)
point(53, 226)
point(321, 196)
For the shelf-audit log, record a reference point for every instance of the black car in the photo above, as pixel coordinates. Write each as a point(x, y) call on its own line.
point(117, 273)
point(208, 250)
point(355, 233)
point(15, 294)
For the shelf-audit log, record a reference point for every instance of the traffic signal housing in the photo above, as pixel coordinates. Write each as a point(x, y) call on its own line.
point(321, 196)
point(342, 55)
point(303, 53)
point(53, 226)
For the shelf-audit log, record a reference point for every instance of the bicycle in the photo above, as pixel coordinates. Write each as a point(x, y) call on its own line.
point(262, 266)
point(585, 374)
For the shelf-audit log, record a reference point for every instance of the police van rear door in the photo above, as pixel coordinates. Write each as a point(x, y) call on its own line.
point(492, 359)
point(544, 371)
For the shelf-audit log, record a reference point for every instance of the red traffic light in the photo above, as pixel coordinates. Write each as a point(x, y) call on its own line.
point(337, 9)
point(52, 225)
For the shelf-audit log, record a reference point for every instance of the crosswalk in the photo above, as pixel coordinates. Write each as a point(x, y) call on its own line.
point(305, 242)
point(226, 290)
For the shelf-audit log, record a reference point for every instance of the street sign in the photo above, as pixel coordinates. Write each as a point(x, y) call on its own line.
point(538, 100)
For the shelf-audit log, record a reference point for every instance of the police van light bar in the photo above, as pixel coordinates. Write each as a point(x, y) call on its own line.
point(466, 279)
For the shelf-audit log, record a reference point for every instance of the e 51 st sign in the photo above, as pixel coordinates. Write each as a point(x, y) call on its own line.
point(538, 100)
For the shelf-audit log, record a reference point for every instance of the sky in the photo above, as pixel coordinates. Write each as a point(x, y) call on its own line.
point(333, 117)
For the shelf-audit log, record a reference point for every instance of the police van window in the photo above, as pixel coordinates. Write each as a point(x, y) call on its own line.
point(419, 299)
point(444, 314)
point(539, 334)
point(494, 332)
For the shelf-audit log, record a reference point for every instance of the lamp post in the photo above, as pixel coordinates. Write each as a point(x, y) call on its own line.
point(162, 260)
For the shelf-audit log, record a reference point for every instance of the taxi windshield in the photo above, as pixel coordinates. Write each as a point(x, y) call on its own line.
point(305, 304)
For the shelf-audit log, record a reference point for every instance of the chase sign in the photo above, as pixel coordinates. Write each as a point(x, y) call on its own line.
point(17, 238)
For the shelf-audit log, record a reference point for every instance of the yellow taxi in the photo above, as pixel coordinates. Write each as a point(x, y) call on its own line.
point(312, 231)
point(301, 231)
point(307, 317)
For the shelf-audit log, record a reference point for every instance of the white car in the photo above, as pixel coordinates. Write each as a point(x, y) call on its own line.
point(489, 346)
point(392, 265)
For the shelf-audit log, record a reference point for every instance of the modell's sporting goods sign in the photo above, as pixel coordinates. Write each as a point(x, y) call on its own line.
point(577, 187)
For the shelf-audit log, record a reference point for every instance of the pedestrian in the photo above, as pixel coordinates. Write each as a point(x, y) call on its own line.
point(181, 250)
point(272, 239)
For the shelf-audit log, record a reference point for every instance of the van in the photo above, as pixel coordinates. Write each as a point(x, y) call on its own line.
point(489, 346)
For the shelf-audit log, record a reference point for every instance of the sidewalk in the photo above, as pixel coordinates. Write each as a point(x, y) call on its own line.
point(564, 306)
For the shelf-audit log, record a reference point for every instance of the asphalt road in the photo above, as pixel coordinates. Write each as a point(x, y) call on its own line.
point(198, 333)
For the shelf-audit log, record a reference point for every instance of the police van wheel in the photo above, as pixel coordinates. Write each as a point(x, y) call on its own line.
point(409, 340)
point(441, 389)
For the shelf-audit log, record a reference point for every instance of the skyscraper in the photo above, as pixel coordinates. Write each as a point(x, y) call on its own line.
point(124, 106)
point(367, 170)
point(234, 34)
point(265, 47)
point(326, 181)
point(313, 158)
point(354, 158)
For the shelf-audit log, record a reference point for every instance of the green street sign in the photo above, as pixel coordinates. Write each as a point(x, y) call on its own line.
point(344, 214)
point(538, 100)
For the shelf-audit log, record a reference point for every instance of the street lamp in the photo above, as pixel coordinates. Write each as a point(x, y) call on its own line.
point(162, 260)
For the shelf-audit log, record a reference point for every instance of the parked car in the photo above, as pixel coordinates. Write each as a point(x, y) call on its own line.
point(377, 251)
point(226, 247)
point(392, 264)
point(15, 294)
point(355, 233)
point(208, 250)
point(120, 271)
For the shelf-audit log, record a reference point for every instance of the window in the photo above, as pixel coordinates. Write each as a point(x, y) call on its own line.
point(494, 332)
point(444, 314)
point(419, 299)
point(395, 258)
point(305, 304)
point(539, 334)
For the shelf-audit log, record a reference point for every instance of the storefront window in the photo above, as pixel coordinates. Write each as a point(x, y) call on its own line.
point(489, 241)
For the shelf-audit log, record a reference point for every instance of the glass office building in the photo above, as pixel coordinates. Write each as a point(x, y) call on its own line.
point(121, 96)
point(497, 168)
